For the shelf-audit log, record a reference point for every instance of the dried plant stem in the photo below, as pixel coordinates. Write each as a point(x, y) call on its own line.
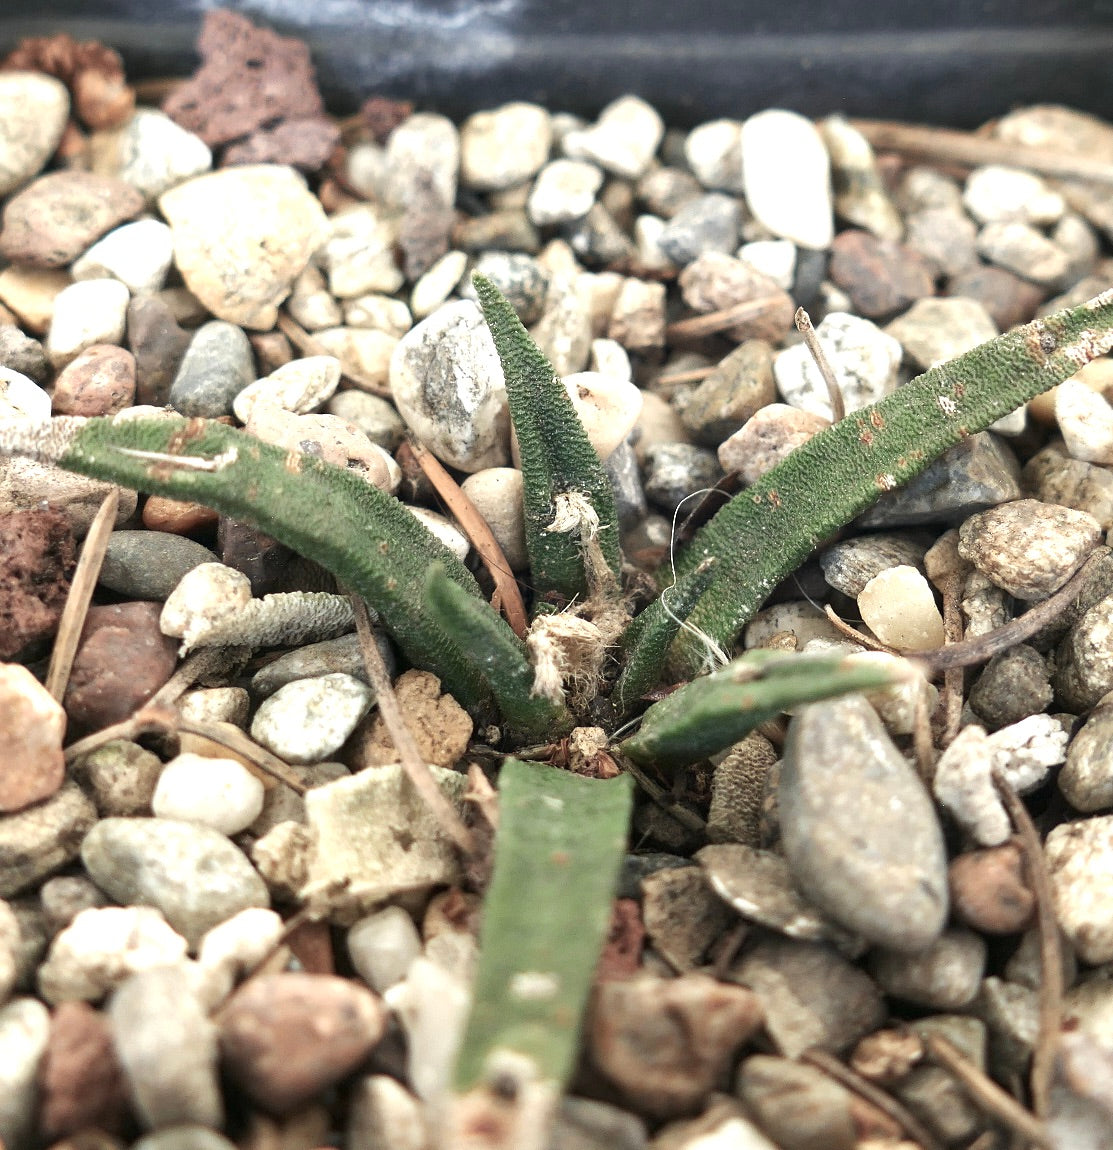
point(947, 146)
point(986, 1094)
point(982, 648)
point(307, 345)
point(713, 322)
point(950, 702)
point(686, 818)
point(204, 663)
point(413, 761)
point(85, 577)
point(811, 342)
point(479, 533)
point(1051, 960)
point(856, 636)
point(693, 375)
point(884, 1102)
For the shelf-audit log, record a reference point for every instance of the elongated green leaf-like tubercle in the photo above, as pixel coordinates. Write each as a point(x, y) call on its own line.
point(648, 638)
point(500, 656)
point(713, 711)
point(557, 457)
point(766, 531)
point(559, 845)
point(365, 537)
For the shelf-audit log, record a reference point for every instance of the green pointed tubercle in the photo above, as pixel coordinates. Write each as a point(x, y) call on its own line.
point(364, 536)
point(766, 531)
point(558, 460)
point(713, 711)
point(560, 843)
point(498, 654)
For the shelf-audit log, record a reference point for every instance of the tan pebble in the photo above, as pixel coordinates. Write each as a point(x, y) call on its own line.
point(176, 515)
point(988, 890)
point(899, 608)
point(440, 725)
point(608, 407)
point(286, 1038)
point(30, 293)
point(767, 438)
point(658, 422)
point(31, 728)
point(497, 495)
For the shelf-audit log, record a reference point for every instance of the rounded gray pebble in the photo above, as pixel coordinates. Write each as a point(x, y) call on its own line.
point(858, 828)
point(192, 873)
point(307, 720)
point(332, 656)
point(519, 277)
point(216, 367)
point(674, 471)
point(706, 224)
point(850, 565)
point(149, 564)
point(1086, 779)
point(1013, 685)
point(945, 976)
point(168, 1049)
point(1084, 659)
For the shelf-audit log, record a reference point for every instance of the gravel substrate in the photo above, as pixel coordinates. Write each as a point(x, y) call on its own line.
point(238, 254)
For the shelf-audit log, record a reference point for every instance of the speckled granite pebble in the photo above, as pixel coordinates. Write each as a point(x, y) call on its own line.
point(1029, 548)
point(1080, 865)
point(309, 719)
point(41, 839)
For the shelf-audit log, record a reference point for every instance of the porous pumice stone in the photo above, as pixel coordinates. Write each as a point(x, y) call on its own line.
point(899, 607)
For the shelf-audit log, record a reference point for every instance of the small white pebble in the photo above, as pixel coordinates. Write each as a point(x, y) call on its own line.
point(899, 607)
point(1085, 421)
point(221, 793)
point(443, 529)
point(210, 593)
point(300, 386)
point(382, 946)
point(21, 398)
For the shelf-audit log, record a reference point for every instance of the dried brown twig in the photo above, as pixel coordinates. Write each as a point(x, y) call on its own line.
point(819, 356)
point(307, 345)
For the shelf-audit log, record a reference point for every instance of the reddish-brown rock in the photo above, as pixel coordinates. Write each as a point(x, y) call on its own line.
point(122, 660)
point(1008, 299)
point(304, 144)
point(36, 561)
point(101, 381)
point(988, 891)
point(32, 726)
point(881, 277)
point(158, 343)
point(248, 77)
point(663, 1044)
point(80, 1081)
point(59, 215)
point(287, 1037)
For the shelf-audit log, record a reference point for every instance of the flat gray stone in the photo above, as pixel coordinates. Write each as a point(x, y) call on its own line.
point(41, 839)
point(196, 876)
point(810, 995)
point(149, 564)
point(977, 473)
point(858, 828)
point(848, 566)
point(332, 656)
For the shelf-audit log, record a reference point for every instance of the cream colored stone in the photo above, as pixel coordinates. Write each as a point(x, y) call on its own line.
point(899, 607)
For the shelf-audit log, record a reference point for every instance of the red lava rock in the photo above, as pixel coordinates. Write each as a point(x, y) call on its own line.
point(287, 1037)
point(622, 952)
point(249, 77)
point(93, 72)
point(36, 562)
point(32, 726)
point(56, 217)
point(988, 891)
point(101, 381)
point(122, 660)
point(158, 343)
point(176, 515)
point(663, 1044)
point(306, 144)
point(880, 276)
point(80, 1081)
point(1008, 299)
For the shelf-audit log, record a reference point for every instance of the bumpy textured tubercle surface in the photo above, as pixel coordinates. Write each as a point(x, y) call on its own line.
point(557, 457)
point(766, 531)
